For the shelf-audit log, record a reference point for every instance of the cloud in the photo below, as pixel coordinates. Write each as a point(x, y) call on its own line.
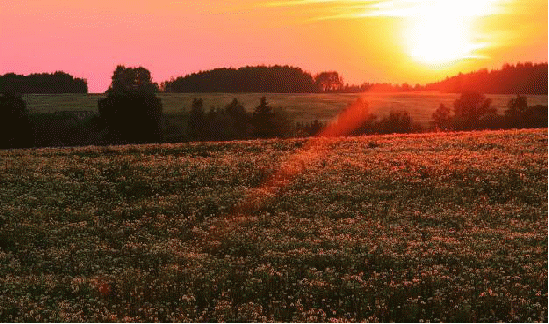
point(351, 9)
point(293, 3)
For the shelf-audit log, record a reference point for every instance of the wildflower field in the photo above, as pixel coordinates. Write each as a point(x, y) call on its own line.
point(430, 227)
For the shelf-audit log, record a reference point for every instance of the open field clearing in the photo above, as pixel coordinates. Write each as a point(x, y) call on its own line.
point(302, 107)
point(439, 227)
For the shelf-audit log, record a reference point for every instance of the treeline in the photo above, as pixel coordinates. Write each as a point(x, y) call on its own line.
point(284, 79)
point(43, 83)
point(522, 78)
point(233, 122)
point(273, 79)
point(474, 111)
point(132, 113)
point(471, 111)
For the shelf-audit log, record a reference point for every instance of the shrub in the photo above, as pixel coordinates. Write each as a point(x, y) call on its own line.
point(15, 126)
point(132, 112)
point(470, 108)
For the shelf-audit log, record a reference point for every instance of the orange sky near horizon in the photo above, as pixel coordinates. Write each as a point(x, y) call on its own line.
point(413, 41)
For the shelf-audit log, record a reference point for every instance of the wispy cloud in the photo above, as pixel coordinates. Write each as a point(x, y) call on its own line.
point(350, 9)
point(292, 3)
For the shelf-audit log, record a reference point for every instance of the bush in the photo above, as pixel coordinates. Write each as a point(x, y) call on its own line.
point(15, 126)
point(62, 129)
point(131, 112)
point(470, 108)
point(536, 116)
point(396, 122)
point(519, 115)
point(441, 118)
point(132, 118)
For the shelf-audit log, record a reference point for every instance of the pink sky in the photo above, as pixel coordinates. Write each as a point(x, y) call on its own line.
point(366, 41)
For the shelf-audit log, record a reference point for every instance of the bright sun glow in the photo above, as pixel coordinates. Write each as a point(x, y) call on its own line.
point(439, 41)
point(441, 32)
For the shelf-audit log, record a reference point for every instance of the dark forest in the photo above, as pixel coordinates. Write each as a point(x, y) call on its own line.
point(522, 78)
point(43, 83)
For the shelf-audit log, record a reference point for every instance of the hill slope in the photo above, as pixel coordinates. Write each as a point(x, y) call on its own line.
point(440, 227)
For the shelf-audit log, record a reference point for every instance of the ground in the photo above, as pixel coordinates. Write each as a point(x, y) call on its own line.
point(439, 227)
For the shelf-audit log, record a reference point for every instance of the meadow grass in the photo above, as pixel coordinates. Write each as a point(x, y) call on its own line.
point(434, 227)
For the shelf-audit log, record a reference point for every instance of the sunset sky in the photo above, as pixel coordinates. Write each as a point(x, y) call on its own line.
point(414, 41)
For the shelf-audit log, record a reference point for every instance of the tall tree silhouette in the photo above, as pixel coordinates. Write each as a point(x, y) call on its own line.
point(515, 113)
point(470, 109)
point(15, 126)
point(263, 120)
point(131, 111)
point(239, 118)
point(442, 118)
point(197, 121)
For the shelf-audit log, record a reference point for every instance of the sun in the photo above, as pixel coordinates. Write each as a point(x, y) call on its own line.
point(441, 32)
point(440, 41)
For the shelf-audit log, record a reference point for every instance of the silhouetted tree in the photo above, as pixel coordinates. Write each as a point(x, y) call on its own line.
point(263, 120)
point(396, 122)
point(131, 111)
point(515, 113)
point(536, 117)
point(197, 121)
point(441, 118)
point(309, 129)
point(218, 124)
point(282, 123)
point(239, 118)
point(132, 81)
point(15, 126)
point(470, 109)
point(233, 122)
point(519, 115)
point(329, 81)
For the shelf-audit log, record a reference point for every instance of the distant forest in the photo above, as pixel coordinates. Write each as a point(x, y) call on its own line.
point(522, 78)
point(283, 79)
point(58, 82)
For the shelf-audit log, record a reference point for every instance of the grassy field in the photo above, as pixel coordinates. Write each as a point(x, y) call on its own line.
point(300, 107)
point(432, 227)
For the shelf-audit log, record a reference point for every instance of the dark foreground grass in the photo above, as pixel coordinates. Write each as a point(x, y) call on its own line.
point(441, 227)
